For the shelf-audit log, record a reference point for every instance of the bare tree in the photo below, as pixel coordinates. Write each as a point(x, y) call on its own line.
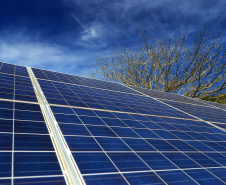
point(194, 69)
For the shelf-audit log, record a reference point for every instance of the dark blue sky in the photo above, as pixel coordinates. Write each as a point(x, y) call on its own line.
point(68, 35)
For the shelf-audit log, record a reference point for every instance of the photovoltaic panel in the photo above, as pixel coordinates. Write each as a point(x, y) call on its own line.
point(71, 79)
point(27, 155)
point(208, 111)
point(89, 97)
point(122, 140)
point(222, 106)
point(168, 96)
point(115, 134)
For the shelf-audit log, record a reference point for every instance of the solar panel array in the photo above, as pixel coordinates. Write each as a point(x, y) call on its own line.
point(27, 155)
point(116, 134)
point(208, 111)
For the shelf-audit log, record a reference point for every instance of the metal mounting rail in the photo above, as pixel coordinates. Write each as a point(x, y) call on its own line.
point(68, 165)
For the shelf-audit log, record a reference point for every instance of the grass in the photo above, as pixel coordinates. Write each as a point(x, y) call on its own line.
point(218, 99)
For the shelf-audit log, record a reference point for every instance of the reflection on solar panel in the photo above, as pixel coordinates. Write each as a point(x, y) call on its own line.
point(63, 129)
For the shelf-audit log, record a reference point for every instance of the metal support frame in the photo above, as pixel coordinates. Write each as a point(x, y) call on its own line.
point(68, 165)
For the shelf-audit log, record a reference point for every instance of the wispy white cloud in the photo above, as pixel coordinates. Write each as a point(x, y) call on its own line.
point(91, 32)
point(46, 56)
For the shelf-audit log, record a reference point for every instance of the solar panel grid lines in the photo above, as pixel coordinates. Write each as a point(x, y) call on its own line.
point(12, 182)
point(210, 114)
point(80, 81)
point(174, 129)
point(23, 150)
point(165, 102)
point(69, 167)
point(9, 69)
point(115, 139)
point(179, 98)
point(209, 111)
point(100, 145)
point(213, 104)
point(71, 97)
point(167, 96)
point(200, 105)
point(207, 156)
point(132, 113)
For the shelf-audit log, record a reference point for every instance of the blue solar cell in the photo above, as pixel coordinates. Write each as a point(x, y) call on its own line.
point(202, 176)
point(161, 145)
point(114, 122)
point(77, 103)
point(196, 136)
point(141, 118)
point(203, 160)
point(6, 125)
point(91, 120)
point(133, 123)
point(128, 162)
point(6, 95)
point(101, 131)
point(176, 177)
point(199, 146)
point(82, 143)
point(151, 125)
point(211, 137)
point(29, 142)
point(181, 160)
point(219, 172)
point(28, 115)
point(6, 114)
point(57, 101)
point(223, 144)
point(109, 179)
point(157, 161)
point(74, 129)
point(182, 135)
point(26, 106)
point(93, 163)
point(63, 110)
point(5, 164)
point(138, 144)
point(165, 134)
point(181, 145)
point(5, 141)
point(123, 116)
point(214, 146)
point(5, 181)
point(143, 178)
point(41, 180)
point(30, 127)
point(84, 112)
point(25, 98)
point(35, 164)
point(145, 133)
point(167, 126)
point(223, 137)
point(217, 157)
point(104, 114)
point(112, 144)
point(24, 93)
point(63, 118)
point(124, 132)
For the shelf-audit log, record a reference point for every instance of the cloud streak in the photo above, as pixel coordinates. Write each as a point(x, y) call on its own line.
point(68, 35)
point(45, 55)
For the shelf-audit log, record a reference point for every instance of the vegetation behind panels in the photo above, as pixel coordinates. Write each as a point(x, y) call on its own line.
point(192, 65)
